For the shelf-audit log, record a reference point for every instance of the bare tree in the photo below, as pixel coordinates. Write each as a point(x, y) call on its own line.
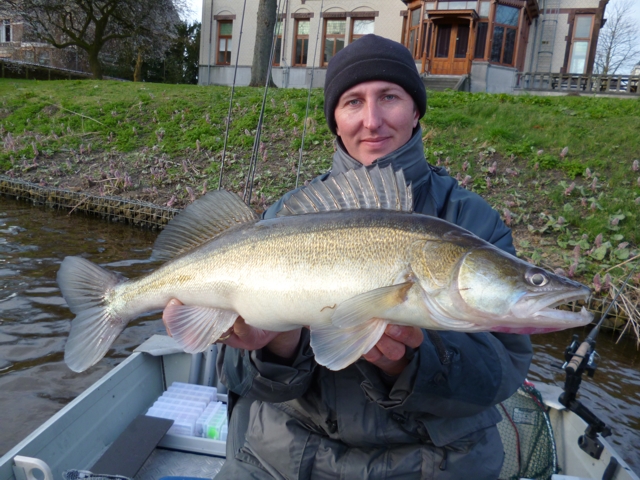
point(619, 40)
point(264, 40)
point(93, 24)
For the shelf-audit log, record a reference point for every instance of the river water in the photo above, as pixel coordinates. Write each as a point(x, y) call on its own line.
point(34, 323)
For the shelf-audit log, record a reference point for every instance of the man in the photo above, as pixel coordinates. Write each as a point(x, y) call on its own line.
point(419, 404)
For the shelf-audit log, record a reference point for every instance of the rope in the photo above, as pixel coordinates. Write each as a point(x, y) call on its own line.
point(306, 115)
point(233, 89)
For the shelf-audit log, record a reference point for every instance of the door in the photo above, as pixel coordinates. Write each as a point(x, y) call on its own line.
point(451, 48)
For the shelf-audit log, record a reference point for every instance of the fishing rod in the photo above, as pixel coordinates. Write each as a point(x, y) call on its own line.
point(580, 358)
point(233, 89)
point(306, 115)
point(253, 162)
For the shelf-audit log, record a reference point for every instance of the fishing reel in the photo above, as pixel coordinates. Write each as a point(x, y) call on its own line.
point(590, 365)
point(580, 358)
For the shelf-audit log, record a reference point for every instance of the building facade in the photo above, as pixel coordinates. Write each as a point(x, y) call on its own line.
point(486, 40)
point(16, 44)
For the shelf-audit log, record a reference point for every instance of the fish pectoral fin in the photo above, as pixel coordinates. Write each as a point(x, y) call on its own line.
point(337, 348)
point(364, 307)
point(195, 328)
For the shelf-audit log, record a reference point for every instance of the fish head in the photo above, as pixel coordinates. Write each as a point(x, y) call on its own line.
point(502, 293)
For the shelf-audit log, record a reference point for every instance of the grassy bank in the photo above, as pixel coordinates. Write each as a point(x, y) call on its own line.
point(563, 171)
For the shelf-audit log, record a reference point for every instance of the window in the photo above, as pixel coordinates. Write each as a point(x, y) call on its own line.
point(462, 41)
point(580, 44)
point(5, 33)
point(225, 29)
point(334, 33)
point(483, 9)
point(443, 41)
point(301, 42)
point(458, 5)
point(414, 26)
point(481, 39)
point(505, 32)
point(361, 27)
point(277, 52)
point(44, 58)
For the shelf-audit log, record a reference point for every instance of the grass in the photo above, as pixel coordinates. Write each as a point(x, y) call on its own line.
point(563, 171)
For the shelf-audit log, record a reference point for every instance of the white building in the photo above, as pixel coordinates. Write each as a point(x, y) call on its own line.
point(488, 40)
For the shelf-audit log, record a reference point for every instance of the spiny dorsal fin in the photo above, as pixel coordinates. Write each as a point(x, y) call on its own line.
point(376, 188)
point(204, 219)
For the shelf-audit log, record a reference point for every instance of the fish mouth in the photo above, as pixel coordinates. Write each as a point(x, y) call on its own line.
point(542, 308)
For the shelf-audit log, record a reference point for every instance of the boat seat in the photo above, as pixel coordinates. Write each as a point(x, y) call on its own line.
point(128, 453)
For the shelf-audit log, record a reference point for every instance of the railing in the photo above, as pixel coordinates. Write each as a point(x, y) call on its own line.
point(34, 71)
point(567, 82)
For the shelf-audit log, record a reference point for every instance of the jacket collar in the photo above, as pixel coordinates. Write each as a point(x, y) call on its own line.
point(410, 158)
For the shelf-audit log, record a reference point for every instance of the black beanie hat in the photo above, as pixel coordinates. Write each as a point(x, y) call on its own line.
point(371, 58)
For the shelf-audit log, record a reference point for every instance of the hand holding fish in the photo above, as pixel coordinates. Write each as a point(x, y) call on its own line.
point(246, 337)
point(390, 353)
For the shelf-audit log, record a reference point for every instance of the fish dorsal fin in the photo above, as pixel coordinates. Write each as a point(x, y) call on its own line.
point(376, 188)
point(204, 219)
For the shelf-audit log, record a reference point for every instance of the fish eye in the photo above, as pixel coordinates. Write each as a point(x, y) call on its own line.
point(537, 278)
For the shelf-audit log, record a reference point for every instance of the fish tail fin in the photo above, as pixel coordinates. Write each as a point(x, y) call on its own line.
point(337, 348)
point(85, 287)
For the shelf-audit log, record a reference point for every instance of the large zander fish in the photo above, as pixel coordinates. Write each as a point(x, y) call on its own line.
point(345, 258)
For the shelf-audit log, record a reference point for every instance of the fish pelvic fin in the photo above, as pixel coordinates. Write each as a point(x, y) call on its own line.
point(201, 221)
point(337, 348)
point(86, 287)
point(195, 328)
point(363, 188)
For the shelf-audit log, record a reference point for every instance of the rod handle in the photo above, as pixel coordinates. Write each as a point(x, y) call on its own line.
point(577, 358)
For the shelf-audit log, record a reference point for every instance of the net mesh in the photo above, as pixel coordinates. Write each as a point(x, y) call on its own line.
point(527, 437)
point(113, 208)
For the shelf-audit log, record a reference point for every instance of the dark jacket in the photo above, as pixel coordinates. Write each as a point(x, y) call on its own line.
point(436, 420)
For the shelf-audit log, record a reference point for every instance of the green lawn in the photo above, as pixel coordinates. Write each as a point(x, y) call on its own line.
point(559, 169)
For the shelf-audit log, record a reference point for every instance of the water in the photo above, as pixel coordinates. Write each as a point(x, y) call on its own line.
point(34, 324)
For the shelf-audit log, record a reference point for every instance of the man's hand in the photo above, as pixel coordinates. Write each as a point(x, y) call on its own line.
point(389, 354)
point(246, 337)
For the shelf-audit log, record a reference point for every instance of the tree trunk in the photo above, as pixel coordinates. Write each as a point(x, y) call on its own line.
point(264, 38)
point(137, 72)
point(94, 65)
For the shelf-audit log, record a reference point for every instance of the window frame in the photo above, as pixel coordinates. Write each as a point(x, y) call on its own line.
point(575, 39)
point(505, 28)
point(304, 38)
point(5, 23)
point(334, 36)
point(415, 48)
point(353, 36)
point(228, 39)
point(277, 53)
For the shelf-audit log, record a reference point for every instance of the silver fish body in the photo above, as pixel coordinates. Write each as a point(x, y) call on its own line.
point(346, 274)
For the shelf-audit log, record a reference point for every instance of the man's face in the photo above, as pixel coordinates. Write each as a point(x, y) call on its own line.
point(374, 119)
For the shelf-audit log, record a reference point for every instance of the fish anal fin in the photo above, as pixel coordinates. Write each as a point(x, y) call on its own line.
point(374, 303)
point(201, 221)
point(195, 328)
point(337, 348)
